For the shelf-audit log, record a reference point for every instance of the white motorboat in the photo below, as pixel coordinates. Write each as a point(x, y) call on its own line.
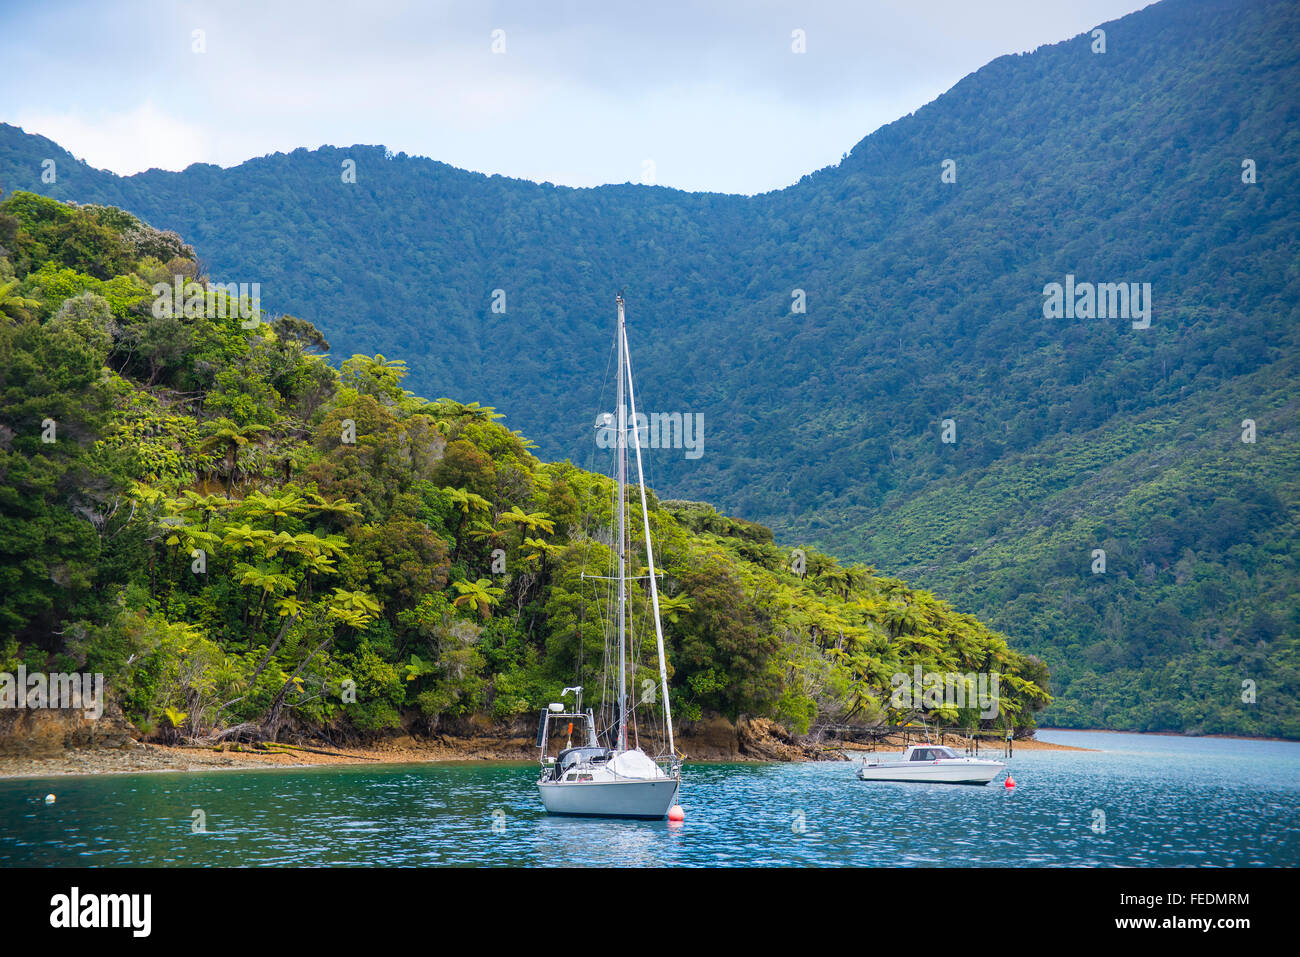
point(932, 763)
point(612, 779)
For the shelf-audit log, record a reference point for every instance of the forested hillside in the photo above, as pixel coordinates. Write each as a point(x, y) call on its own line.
point(1170, 159)
point(246, 540)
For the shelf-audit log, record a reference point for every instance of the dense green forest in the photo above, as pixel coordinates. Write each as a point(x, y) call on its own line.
point(247, 540)
point(924, 303)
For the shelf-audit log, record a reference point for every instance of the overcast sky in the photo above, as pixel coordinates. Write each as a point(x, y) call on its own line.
point(584, 93)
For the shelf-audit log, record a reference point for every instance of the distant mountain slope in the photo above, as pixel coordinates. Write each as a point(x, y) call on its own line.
point(230, 532)
point(924, 303)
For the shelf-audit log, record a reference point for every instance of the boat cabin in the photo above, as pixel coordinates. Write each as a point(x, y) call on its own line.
point(568, 761)
point(930, 752)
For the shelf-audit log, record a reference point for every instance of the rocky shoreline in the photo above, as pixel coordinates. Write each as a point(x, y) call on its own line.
point(49, 745)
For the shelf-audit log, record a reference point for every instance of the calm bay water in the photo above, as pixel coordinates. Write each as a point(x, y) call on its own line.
point(1166, 801)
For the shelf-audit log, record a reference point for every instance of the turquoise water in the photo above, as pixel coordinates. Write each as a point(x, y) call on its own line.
point(1166, 800)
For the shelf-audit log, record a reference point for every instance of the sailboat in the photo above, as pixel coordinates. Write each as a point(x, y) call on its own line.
point(591, 778)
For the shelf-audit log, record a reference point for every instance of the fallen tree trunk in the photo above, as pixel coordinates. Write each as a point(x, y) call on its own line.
point(247, 731)
point(277, 746)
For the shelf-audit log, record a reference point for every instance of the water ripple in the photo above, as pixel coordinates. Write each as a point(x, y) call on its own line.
point(1162, 801)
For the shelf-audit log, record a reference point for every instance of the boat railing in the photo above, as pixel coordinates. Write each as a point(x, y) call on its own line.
point(670, 764)
point(876, 758)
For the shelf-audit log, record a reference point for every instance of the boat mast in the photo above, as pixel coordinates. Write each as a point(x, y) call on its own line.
point(649, 548)
point(621, 737)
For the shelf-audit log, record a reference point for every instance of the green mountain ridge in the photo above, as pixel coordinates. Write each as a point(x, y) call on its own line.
point(1207, 580)
point(924, 303)
point(246, 541)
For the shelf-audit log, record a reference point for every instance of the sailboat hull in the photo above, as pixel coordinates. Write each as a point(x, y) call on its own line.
point(641, 800)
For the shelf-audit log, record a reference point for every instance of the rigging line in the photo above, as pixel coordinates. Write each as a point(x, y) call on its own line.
point(588, 528)
point(649, 547)
point(658, 717)
point(655, 715)
point(608, 635)
point(600, 400)
point(587, 510)
point(657, 723)
point(582, 620)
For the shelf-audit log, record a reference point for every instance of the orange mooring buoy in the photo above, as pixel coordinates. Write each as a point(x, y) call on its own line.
point(675, 813)
point(1010, 782)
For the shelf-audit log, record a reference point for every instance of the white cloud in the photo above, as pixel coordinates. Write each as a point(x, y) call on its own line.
point(587, 90)
point(126, 142)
